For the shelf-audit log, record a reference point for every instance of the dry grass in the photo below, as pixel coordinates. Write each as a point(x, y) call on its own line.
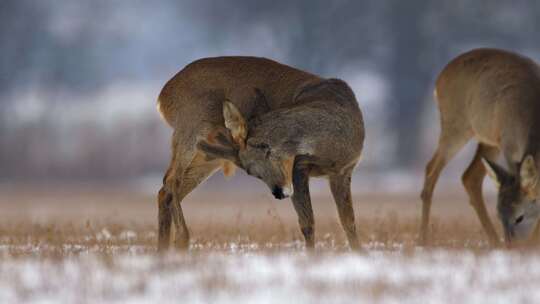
point(107, 219)
point(58, 240)
point(241, 244)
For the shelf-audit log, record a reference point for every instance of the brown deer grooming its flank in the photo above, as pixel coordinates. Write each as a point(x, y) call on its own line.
point(493, 96)
point(279, 124)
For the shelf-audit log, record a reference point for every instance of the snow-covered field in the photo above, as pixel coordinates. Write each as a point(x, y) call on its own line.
point(97, 245)
point(291, 276)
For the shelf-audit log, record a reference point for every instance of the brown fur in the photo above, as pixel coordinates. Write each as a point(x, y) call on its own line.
point(492, 96)
point(229, 169)
point(287, 166)
point(223, 105)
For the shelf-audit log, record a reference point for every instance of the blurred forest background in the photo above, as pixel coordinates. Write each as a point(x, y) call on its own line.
point(79, 79)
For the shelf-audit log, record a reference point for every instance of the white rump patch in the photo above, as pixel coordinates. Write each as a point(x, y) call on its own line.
point(159, 110)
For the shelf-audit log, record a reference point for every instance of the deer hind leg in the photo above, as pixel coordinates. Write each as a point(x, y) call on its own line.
point(196, 172)
point(472, 180)
point(174, 189)
point(447, 149)
point(165, 199)
point(166, 194)
point(340, 185)
point(164, 218)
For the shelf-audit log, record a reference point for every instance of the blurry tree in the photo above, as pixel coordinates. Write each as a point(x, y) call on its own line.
point(83, 47)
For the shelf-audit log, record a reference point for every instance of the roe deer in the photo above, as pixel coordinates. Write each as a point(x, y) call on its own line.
point(279, 124)
point(493, 96)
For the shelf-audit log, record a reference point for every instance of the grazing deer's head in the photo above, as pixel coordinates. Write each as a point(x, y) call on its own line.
point(516, 205)
point(260, 156)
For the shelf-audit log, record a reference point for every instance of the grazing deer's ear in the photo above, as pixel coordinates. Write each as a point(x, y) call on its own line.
point(496, 172)
point(235, 122)
point(529, 176)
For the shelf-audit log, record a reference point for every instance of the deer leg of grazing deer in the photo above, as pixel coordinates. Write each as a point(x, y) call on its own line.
point(302, 202)
point(340, 186)
point(535, 240)
point(448, 147)
point(164, 218)
point(472, 180)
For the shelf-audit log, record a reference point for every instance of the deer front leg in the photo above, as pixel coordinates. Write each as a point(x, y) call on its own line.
point(302, 203)
point(341, 190)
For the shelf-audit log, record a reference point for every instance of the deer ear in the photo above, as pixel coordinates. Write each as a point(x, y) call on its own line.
point(529, 176)
point(235, 122)
point(496, 172)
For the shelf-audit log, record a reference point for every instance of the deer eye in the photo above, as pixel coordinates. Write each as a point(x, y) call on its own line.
point(519, 219)
point(262, 146)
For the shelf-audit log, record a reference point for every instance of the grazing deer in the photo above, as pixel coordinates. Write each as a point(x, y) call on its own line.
point(493, 96)
point(279, 124)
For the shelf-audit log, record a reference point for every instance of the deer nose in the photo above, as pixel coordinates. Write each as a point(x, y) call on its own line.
point(287, 191)
point(508, 235)
point(278, 192)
